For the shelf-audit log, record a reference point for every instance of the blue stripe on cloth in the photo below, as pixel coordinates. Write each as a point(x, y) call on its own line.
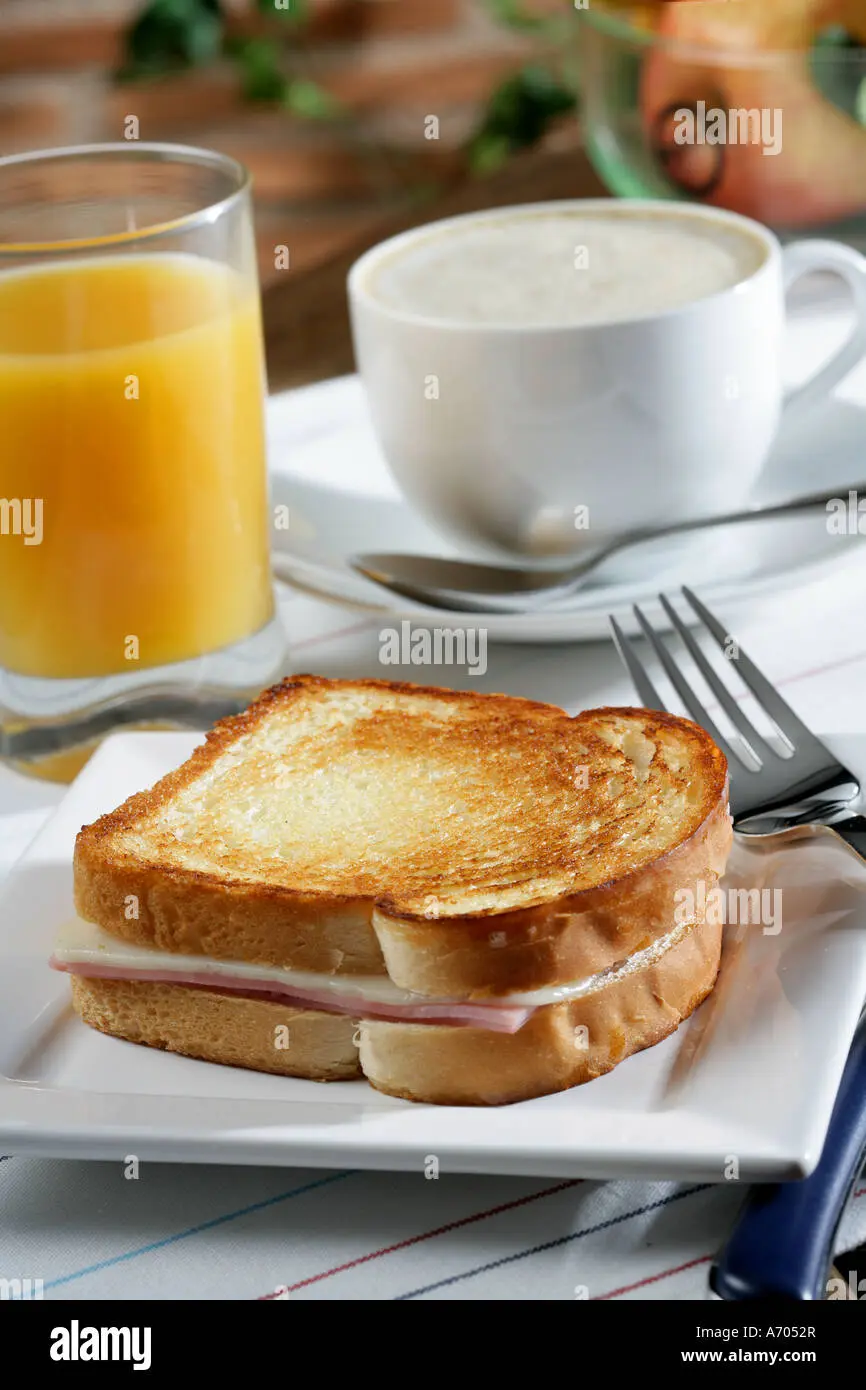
point(552, 1244)
point(196, 1230)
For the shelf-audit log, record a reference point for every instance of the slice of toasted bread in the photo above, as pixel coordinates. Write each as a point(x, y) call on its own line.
point(233, 1030)
point(464, 844)
point(561, 1045)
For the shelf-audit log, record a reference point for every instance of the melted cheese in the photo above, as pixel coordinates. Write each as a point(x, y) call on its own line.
point(80, 943)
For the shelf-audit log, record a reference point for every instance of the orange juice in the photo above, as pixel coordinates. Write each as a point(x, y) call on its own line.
point(133, 512)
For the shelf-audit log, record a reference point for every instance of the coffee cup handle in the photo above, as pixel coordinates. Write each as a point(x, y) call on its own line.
point(804, 258)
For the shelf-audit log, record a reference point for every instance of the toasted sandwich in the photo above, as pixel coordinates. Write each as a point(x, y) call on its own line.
point(468, 899)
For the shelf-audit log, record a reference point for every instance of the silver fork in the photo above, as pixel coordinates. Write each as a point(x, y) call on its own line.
point(771, 794)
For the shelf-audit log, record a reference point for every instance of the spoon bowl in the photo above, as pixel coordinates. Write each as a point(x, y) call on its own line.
point(473, 586)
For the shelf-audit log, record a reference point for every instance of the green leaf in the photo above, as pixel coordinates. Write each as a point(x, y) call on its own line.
point(488, 152)
point(295, 10)
point(522, 107)
point(261, 71)
point(309, 99)
point(510, 13)
point(860, 103)
point(546, 92)
point(172, 34)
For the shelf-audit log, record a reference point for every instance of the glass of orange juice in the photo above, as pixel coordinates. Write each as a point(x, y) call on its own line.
point(135, 583)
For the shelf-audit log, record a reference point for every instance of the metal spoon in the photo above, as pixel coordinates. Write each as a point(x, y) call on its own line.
point(474, 586)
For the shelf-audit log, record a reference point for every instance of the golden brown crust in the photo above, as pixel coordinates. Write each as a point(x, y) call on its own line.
point(234, 1031)
point(554, 934)
point(190, 914)
point(560, 1046)
point(556, 942)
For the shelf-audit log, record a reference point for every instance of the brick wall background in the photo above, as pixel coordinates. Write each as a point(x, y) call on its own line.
point(390, 62)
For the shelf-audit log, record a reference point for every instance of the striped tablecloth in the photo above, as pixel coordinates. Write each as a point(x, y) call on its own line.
point(182, 1232)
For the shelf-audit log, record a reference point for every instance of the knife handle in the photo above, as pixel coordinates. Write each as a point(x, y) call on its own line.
point(782, 1244)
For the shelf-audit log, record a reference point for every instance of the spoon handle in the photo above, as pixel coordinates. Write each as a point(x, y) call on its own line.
point(795, 504)
point(807, 502)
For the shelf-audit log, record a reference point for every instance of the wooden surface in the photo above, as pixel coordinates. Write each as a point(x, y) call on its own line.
point(305, 314)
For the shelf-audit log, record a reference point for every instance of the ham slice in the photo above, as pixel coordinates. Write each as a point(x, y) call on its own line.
point(495, 1018)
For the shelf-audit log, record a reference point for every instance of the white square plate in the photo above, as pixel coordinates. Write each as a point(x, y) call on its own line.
point(745, 1088)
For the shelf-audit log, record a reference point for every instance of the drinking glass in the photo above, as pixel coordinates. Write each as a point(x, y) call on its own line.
point(135, 581)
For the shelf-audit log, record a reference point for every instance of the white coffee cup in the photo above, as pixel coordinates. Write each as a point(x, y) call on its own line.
point(526, 438)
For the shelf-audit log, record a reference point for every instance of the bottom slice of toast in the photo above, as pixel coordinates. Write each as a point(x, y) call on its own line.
point(560, 1045)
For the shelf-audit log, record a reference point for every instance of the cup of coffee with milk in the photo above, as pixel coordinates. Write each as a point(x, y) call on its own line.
point(542, 372)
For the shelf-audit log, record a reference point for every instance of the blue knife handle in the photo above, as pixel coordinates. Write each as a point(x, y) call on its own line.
point(782, 1244)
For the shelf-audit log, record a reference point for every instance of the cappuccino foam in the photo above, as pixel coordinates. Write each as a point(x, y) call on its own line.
point(564, 268)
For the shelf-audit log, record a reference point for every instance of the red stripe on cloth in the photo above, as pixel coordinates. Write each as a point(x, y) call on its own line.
point(821, 670)
point(425, 1235)
point(652, 1278)
point(740, 695)
point(677, 1269)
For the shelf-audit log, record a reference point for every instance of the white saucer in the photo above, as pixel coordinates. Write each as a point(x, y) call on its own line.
point(328, 470)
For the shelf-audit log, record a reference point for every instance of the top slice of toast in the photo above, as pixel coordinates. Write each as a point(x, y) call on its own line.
point(308, 826)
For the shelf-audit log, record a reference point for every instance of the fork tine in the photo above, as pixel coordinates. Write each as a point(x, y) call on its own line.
point(681, 686)
point(642, 683)
point(787, 722)
point(746, 728)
